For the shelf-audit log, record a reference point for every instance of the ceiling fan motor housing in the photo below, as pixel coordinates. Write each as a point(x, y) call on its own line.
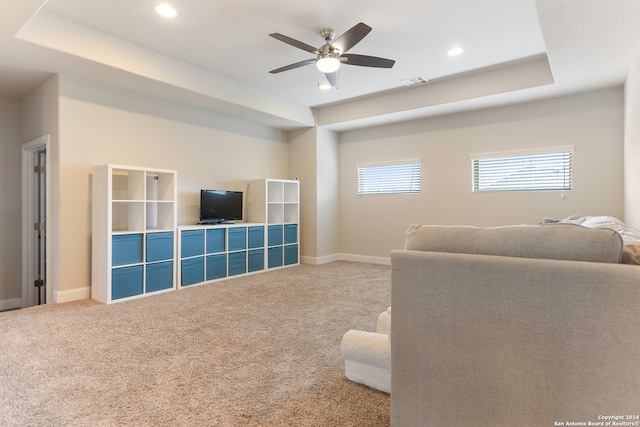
point(328, 34)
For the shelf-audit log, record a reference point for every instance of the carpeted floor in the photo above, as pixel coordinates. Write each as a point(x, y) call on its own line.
point(258, 350)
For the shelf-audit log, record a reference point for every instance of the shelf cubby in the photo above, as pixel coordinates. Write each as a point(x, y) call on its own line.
point(127, 185)
point(160, 186)
point(127, 216)
point(275, 212)
point(160, 215)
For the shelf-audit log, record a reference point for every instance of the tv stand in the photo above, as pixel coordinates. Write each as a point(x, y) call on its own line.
point(217, 251)
point(210, 252)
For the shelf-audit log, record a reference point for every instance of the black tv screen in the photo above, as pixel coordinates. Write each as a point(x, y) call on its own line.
point(218, 206)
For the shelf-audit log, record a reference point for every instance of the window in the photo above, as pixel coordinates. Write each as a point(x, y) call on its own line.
point(401, 177)
point(530, 170)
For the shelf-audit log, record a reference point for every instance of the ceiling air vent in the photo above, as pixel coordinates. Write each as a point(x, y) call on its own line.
point(415, 81)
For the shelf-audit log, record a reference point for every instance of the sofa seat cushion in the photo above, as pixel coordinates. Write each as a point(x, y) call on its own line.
point(548, 241)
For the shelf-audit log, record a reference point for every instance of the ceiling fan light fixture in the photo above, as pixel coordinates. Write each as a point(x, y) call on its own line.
point(328, 63)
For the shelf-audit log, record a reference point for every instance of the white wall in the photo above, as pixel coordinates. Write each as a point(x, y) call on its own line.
point(593, 122)
point(100, 125)
point(39, 117)
point(632, 145)
point(10, 205)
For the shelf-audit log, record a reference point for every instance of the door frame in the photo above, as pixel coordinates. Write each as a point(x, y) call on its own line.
point(28, 214)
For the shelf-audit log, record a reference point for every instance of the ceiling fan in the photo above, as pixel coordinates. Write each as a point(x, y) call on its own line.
point(333, 53)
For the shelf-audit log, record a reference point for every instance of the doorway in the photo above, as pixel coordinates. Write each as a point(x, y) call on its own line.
point(35, 222)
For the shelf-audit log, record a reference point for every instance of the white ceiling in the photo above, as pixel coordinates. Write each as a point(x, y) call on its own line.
point(217, 55)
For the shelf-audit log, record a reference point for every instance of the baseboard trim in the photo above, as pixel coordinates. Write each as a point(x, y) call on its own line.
point(72, 295)
point(320, 260)
point(345, 257)
point(365, 259)
point(10, 304)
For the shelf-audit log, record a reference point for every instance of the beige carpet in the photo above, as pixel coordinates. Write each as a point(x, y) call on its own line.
point(259, 350)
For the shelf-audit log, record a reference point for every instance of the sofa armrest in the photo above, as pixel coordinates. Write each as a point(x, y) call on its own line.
point(491, 340)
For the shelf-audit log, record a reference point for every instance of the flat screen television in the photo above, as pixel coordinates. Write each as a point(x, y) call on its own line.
point(219, 206)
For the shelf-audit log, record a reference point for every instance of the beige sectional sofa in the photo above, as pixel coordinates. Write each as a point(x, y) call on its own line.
point(514, 326)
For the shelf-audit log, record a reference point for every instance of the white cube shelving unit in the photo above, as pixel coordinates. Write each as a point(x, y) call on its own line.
point(134, 222)
point(276, 202)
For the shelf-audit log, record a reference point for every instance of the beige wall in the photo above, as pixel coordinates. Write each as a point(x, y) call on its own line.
point(593, 122)
point(10, 204)
point(328, 185)
point(632, 145)
point(100, 125)
point(302, 165)
point(313, 158)
point(38, 117)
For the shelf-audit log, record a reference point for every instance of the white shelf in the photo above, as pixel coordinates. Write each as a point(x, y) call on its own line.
point(134, 221)
point(276, 202)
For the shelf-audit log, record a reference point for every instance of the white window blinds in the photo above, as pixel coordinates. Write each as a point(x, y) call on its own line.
point(531, 170)
point(401, 177)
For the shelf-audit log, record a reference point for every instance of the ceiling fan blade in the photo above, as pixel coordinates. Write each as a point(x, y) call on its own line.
point(366, 61)
point(351, 37)
point(332, 78)
point(292, 66)
point(294, 42)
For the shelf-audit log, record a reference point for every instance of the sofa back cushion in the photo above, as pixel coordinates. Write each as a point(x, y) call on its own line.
point(548, 241)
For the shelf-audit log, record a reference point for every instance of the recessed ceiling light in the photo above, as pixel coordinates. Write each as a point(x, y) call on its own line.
point(455, 51)
point(324, 86)
point(166, 11)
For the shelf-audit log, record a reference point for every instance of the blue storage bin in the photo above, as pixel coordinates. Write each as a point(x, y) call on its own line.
point(290, 254)
point(290, 233)
point(159, 246)
point(237, 238)
point(255, 237)
point(215, 240)
point(192, 271)
point(191, 243)
point(159, 276)
point(216, 266)
point(126, 282)
point(275, 235)
point(237, 263)
point(274, 257)
point(255, 260)
point(126, 249)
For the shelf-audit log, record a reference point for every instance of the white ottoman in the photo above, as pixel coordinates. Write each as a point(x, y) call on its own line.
point(368, 355)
